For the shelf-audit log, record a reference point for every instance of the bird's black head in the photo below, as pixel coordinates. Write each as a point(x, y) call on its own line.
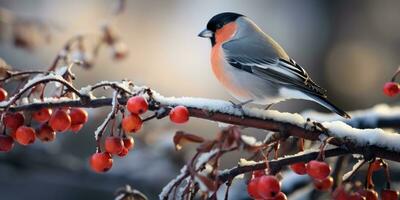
point(217, 22)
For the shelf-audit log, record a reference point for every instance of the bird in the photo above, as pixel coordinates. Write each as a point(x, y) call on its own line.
point(254, 68)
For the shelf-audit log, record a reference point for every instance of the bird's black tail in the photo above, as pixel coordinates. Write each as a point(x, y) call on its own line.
point(325, 102)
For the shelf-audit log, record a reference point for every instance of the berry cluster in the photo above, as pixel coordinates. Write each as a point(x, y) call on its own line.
point(349, 191)
point(121, 144)
point(47, 123)
point(319, 171)
point(263, 186)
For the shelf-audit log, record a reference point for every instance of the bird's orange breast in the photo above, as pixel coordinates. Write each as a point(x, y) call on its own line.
point(218, 59)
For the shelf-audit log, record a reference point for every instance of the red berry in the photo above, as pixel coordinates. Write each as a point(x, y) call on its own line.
point(179, 114)
point(318, 169)
point(46, 133)
point(131, 123)
point(268, 186)
point(101, 162)
point(76, 127)
point(114, 145)
point(13, 135)
point(42, 115)
point(137, 105)
point(388, 194)
point(323, 184)
point(356, 196)
point(391, 89)
point(6, 143)
point(13, 120)
point(78, 116)
point(280, 196)
point(25, 135)
point(340, 193)
point(252, 188)
point(258, 173)
point(60, 121)
point(299, 168)
point(3, 94)
point(128, 142)
point(123, 153)
point(369, 194)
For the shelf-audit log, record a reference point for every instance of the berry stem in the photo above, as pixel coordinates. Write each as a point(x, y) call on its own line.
point(387, 174)
point(321, 155)
point(368, 181)
point(395, 75)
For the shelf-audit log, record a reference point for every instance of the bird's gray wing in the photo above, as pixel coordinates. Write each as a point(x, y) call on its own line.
point(258, 58)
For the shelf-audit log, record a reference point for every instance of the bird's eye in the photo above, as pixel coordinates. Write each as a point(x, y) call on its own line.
point(219, 26)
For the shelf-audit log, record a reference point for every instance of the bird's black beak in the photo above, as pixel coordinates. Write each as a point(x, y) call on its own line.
point(206, 34)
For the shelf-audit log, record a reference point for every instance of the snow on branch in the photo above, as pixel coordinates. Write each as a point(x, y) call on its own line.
point(276, 165)
point(373, 142)
point(381, 115)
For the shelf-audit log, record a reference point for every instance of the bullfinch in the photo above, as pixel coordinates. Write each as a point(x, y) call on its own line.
point(254, 68)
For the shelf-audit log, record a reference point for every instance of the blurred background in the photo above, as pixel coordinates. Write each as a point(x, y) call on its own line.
point(348, 47)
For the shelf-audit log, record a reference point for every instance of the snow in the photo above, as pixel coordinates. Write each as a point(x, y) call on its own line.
point(368, 116)
point(355, 168)
point(364, 137)
point(221, 106)
point(61, 70)
point(244, 162)
point(109, 116)
point(30, 84)
point(169, 186)
point(205, 157)
point(250, 140)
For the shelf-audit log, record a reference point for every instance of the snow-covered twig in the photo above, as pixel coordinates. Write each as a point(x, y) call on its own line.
point(44, 79)
point(99, 131)
point(378, 116)
point(375, 142)
point(276, 165)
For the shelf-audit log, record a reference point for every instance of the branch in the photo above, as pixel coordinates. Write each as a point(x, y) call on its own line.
point(276, 165)
point(381, 115)
point(369, 142)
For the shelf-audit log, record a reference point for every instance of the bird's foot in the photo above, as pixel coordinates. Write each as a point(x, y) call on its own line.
point(240, 105)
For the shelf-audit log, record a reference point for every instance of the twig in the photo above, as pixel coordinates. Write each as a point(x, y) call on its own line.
point(278, 163)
